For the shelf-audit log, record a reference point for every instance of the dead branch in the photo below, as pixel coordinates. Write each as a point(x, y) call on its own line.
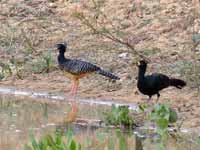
point(105, 32)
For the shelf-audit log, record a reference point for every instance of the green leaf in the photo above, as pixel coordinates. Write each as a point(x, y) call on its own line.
point(198, 140)
point(73, 145)
point(58, 138)
point(79, 146)
point(162, 123)
point(34, 142)
point(173, 116)
point(141, 108)
point(69, 135)
point(118, 116)
point(122, 141)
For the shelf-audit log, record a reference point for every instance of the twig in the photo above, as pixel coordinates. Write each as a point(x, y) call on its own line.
point(108, 34)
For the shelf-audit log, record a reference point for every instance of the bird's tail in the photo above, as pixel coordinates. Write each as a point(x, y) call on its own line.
point(108, 74)
point(177, 83)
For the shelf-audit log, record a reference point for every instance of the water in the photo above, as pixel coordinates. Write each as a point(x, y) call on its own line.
point(21, 116)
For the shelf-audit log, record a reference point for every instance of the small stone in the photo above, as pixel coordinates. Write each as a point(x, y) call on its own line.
point(52, 5)
point(124, 56)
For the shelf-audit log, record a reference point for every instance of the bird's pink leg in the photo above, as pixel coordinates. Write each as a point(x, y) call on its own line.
point(72, 115)
point(75, 88)
point(72, 89)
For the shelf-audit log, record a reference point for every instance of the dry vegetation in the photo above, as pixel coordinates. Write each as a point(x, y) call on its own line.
point(109, 33)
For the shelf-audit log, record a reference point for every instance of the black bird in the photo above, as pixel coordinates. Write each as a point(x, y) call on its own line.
point(152, 84)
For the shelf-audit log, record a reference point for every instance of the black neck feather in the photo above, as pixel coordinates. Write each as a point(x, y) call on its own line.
point(61, 57)
point(142, 71)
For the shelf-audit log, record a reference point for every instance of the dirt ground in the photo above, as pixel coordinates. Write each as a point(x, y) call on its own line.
point(166, 32)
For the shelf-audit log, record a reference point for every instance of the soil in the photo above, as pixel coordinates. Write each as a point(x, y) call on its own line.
point(161, 30)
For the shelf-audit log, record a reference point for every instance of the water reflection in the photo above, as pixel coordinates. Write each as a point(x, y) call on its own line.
point(21, 116)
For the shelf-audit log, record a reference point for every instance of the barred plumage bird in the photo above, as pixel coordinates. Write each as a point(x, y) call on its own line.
point(76, 69)
point(152, 84)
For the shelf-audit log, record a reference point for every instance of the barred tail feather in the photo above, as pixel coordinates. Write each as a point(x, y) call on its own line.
point(177, 83)
point(108, 74)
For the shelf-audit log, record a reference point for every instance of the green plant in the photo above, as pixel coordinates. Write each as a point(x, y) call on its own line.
point(42, 64)
point(47, 57)
point(54, 142)
point(5, 69)
point(17, 65)
point(118, 116)
point(38, 66)
point(198, 140)
point(115, 138)
point(123, 145)
point(163, 116)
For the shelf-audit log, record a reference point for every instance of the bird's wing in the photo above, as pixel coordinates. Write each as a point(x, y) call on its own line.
point(161, 81)
point(79, 67)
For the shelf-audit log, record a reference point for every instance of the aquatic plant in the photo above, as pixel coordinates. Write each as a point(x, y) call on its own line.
point(198, 141)
point(54, 142)
point(163, 116)
point(118, 116)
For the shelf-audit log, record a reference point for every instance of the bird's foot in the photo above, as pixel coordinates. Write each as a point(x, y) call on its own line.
point(72, 114)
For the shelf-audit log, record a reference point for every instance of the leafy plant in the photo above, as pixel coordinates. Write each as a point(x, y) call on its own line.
point(5, 69)
point(54, 142)
point(47, 57)
point(163, 116)
point(123, 145)
point(198, 140)
point(119, 116)
point(38, 66)
point(42, 64)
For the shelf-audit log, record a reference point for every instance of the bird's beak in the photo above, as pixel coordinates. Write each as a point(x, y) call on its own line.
point(138, 63)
